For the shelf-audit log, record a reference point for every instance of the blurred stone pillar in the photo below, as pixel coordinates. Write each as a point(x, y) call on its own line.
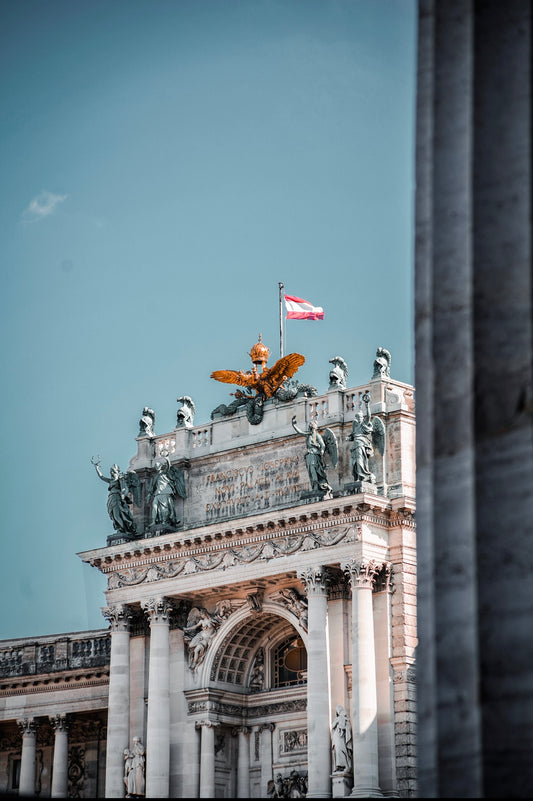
point(118, 714)
point(60, 724)
point(28, 728)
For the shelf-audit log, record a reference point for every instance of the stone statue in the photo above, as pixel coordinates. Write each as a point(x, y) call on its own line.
point(317, 446)
point(295, 603)
point(382, 364)
point(341, 741)
point(185, 416)
point(167, 482)
point(293, 786)
point(146, 423)
point(134, 762)
point(338, 373)
point(122, 486)
point(367, 432)
point(257, 678)
point(201, 628)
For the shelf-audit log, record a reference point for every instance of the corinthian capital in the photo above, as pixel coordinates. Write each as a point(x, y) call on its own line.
point(119, 617)
point(361, 572)
point(157, 609)
point(316, 579)
point(27, 726)
point(60, 722)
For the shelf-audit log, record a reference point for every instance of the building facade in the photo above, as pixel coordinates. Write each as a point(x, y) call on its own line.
point(261, 610)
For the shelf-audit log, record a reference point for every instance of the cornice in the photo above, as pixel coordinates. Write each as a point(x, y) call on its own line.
point(242, 541)
point(42, 684)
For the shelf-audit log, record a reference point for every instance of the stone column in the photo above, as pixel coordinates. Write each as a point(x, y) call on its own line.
point(384, 682)
point(265, 755)
point(318, 738)
point(60, 724)
point(364, 693)
point(158, 720)
point(207, 758)
point(118, 714)
point(28, 727)
point(243, 762)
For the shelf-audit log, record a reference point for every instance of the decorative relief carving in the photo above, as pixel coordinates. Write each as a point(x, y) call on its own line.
point(257, 676)
point(361, 572)
point(233, 556)
point(157, 609)
point(293, 741)
point(119, 617)
point(316, 579)
point(383, 581)
point(201, 628)
point(295, 603)
point(76, 771)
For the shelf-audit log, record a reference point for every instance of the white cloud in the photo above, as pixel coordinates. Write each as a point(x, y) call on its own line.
point(43, 205)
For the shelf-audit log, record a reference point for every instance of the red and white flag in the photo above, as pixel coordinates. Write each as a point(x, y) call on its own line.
point(299, 309)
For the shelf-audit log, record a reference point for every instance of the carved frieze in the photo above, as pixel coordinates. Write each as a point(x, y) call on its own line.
point(292, 741)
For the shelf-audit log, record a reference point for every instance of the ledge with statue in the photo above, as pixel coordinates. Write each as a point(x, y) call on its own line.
point(251, 458)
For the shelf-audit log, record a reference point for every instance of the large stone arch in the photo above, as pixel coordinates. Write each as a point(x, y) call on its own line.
point(240, 625)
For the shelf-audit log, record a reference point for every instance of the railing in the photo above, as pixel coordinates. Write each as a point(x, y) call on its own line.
point(65, 653)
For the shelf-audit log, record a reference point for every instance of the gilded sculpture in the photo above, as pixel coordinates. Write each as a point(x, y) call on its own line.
point(262, 383)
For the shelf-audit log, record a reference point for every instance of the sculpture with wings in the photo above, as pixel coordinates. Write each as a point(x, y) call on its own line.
point(318, 444)
point(122, 490)
point(259, 384)
point(367, 433)
point(167, 482)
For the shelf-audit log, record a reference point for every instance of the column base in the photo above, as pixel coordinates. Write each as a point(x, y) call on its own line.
point(366, 792)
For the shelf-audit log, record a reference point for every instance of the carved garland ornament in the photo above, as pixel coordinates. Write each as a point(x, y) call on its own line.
point(233, 556)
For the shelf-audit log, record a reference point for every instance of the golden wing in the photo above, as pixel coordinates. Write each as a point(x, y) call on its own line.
point(234, 377)
point(284, 368)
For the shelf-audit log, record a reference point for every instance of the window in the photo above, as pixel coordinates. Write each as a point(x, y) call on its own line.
point(289, 663)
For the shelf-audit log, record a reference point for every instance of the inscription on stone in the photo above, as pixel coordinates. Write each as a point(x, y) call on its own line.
point(253, 487)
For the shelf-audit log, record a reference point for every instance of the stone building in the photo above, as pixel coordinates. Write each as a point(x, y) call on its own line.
point(259, 608)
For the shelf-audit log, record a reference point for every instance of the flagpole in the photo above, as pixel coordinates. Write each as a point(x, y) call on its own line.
point(280, 320)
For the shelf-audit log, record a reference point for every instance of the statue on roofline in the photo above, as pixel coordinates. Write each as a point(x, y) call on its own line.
point(146, 423)
point(167, 482)
point(367, 433)
point(262, 384)
point(318, 444)
point(382, 364)
point(123, 489)
point(185, 415)
point(338, 373)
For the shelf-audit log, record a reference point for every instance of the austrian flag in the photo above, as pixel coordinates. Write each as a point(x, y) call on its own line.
point(299, 309)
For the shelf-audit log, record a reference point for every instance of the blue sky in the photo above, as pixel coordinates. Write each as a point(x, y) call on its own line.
point(164, 165)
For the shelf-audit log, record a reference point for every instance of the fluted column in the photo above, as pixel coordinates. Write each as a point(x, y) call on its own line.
point(118, 714)
point(364, 690)
point(28, 727)
point(316, 580)
point(60, 724)
point(158, 720)
point(207, 758)
point(243, 762)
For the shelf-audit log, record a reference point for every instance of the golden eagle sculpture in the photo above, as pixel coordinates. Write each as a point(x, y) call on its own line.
point(264, 382)
point(261, 384)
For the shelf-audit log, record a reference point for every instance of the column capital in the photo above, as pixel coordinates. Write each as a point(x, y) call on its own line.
point(60, 722)
point(241, 730)
point(119, 617)
point(208, 724)
point(384, 578)
point(267, 727)
point(361, 572)
point(316, 579)
point(27, 726)
point(157, 610)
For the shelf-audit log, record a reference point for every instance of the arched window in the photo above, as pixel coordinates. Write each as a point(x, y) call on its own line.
point(289, 662)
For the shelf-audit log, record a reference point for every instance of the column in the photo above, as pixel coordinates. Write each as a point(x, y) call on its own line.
point(385, 684)
point(318, 738)
point(265, 733)
point(158, 721)
point(364, 692)
point(243, 762)
point(118, 714)
point(207, 758)
point(60, 724)
point(28, 727)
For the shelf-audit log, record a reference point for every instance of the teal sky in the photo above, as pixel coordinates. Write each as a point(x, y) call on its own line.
point(164, 165)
